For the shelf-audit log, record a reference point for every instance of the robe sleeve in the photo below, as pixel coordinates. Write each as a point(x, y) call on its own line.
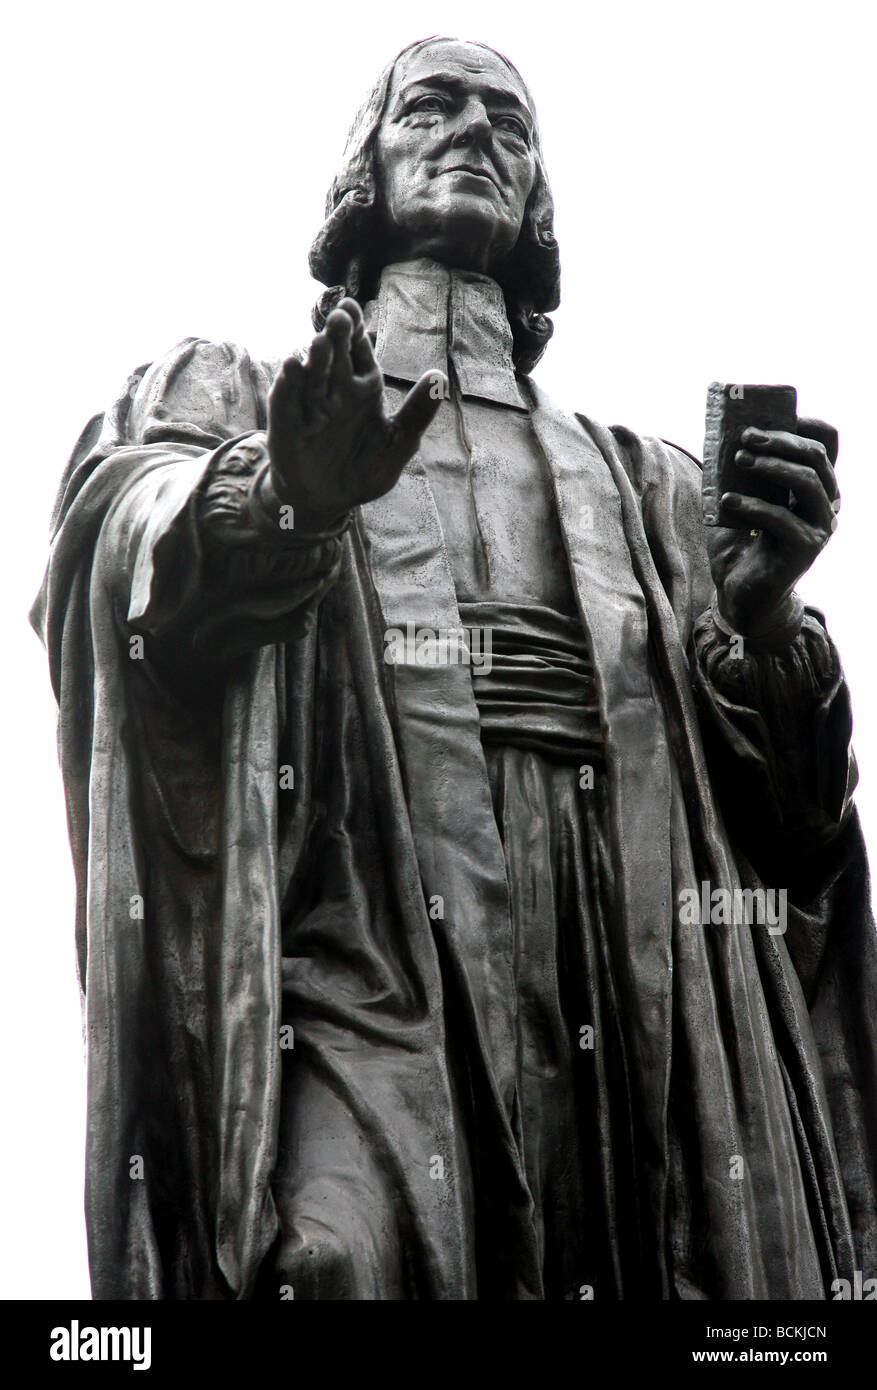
point(195, 563)
point(788, 713)
point(776, 724)
point(172, 801)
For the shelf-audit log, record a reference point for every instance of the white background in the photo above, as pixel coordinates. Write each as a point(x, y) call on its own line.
point(713, 171)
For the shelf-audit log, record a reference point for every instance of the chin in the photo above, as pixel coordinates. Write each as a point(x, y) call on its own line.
point(463, 232)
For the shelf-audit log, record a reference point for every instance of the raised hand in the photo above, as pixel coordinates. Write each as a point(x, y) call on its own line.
point(759, 550)
point(332, 446)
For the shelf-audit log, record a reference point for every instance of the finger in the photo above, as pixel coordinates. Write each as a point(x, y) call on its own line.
point(737, 510)
point(351, 309)
point(810, 495)
point(361, 350)
point(287, 392)
point(827, 436)
point(318, 368)
point(784, 444)
point(339, 329)
point(825, 433)
point(418, 409)
point(369, 387)
point(368, 379)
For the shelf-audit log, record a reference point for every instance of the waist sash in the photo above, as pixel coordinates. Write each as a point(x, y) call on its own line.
point(537, 690)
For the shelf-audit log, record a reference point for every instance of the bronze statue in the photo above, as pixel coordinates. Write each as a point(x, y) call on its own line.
point(470, 899)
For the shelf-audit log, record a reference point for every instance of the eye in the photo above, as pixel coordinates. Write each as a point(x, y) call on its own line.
point(512, 125)
point(430, 103)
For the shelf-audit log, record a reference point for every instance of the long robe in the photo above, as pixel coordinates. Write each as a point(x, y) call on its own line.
point(749, 1057)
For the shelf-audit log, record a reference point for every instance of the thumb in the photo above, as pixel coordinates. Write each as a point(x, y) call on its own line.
point(418, 409)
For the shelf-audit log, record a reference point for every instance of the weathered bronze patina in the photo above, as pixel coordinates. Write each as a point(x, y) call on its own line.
point(528, 961)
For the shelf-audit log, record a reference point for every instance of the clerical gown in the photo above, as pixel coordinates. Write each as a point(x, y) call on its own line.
point(388, 989)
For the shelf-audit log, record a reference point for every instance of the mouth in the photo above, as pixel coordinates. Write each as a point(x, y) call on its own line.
point(472, 171)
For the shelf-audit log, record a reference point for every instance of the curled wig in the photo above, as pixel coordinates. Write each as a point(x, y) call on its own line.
point(346, 256)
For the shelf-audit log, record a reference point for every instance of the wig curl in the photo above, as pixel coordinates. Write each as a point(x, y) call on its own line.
point(345, 254)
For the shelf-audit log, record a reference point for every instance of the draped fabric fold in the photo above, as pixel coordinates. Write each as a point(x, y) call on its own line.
point(731, 1101)
point(535, 688)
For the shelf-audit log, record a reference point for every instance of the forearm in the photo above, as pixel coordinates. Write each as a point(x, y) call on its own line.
point(202, 569)
point(777, 724)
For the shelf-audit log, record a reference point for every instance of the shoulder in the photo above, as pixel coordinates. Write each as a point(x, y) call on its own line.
point(652, 465)
point(214, 389)
point(651, 459)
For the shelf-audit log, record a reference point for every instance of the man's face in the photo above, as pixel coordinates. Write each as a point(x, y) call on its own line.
point(455, 156)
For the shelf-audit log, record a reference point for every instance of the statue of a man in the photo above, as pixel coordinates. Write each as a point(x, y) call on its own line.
point(470, 899)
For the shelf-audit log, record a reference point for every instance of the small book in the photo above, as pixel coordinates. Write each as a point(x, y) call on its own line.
point(730, 409)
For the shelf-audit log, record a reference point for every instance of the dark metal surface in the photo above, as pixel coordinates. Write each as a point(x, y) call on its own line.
point(398, 985)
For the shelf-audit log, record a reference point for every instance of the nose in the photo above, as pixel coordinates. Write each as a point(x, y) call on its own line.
point(474, 126)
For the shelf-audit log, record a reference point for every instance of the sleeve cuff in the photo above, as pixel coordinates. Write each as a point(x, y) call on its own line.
point(774, 639)
point(785, 712)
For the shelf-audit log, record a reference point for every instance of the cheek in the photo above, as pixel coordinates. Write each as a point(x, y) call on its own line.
point(526, 182)
point(401, 169)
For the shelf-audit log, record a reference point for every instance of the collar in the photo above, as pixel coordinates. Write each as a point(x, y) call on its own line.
point(427, 317)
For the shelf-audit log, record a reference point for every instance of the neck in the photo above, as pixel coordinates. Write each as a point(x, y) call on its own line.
point(425, 264)
point(472, 254)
